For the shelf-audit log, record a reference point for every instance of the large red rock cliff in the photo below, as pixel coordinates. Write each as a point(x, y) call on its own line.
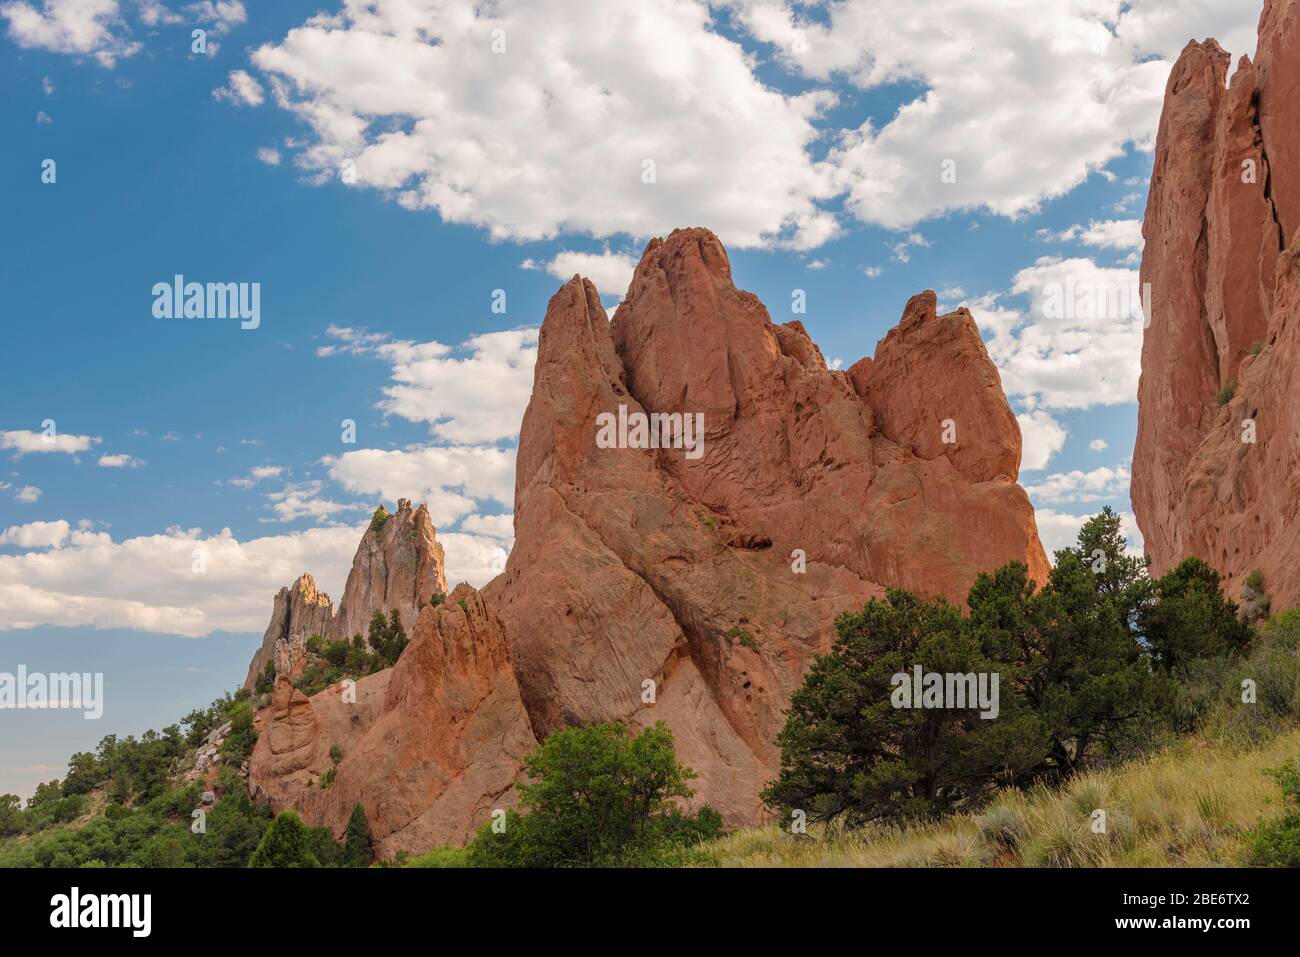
point(1220, 482)
point(692, 584)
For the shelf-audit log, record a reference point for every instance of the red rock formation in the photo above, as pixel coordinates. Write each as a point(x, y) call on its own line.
point(398, 566)
point(633, 566)
point(299, 612)
point(690, 585)
point(430, 746)
point(1221, 258)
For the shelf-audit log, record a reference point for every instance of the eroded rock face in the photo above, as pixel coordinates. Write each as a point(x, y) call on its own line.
point(430, 746)
point(692, 585)
point(299, 612)
point(639, 571)
point(397, 567)
point(1221, 257)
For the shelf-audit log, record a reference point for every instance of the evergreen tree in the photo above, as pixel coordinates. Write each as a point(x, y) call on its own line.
point(357, 848)
point(284, 844)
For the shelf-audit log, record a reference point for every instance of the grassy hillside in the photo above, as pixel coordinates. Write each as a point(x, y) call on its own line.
point(1193, 804)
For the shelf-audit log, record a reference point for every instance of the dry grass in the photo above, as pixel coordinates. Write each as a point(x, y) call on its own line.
point(1188, 806)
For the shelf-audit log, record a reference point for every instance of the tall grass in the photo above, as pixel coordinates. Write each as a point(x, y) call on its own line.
point(1190, 805)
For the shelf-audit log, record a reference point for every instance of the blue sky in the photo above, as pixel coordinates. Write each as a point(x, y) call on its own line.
point(813, 148)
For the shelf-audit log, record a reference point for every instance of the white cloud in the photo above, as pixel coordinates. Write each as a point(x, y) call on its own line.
point(120, 461)
point(256, 474)
point(24, 442)
point(240, 89)
point(304, 500)
point(89, 27)
point(222, 15)
point(1110, 234)
point(1077, 486)
point(268, 156)
point(43, 118)
point(450, 479)
point(901, 252)
point(36, 534)
point(1041, 438)
point(611, 272)
point(1078, 73)
point(475, 392)
point(476, 559)
point(494, 526)
point(27, 494)
point(1099, 445)
point(1061, 530)
point(872, 272)
point(1078, 344)
point(554, 134)
point(148, 583)
point(153, 14)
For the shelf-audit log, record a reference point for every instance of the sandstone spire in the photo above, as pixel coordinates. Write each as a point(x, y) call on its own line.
point(1216, 477)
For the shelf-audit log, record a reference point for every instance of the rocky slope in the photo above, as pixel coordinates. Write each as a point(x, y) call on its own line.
point(691, 585)
point(1220, 481)
point(397, 567)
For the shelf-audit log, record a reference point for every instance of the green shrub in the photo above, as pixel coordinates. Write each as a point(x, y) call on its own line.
point(743, 637)
point(597, 796)
point(1257, 347)
point(1277, 843)
point(378, 520)
point(1225, 395)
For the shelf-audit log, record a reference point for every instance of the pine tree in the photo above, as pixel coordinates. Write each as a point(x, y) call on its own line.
point(358, 851)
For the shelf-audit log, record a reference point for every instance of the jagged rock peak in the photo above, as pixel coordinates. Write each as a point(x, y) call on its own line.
point(399, 565)
point(1217, 459)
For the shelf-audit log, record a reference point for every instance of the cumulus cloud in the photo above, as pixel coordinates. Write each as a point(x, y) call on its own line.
point(240, 89)
point(504, 116)
point(1041, 438)
point(268, 156)
point(36, 534)
point(1087, 76)
point(475, 392)
point(120, 461)
point(222, 16)
point(1099, 445)
point(1078, 486)
point(93, 28)
point(1110, 234)
point(304, 500)
point(611, 272)
point(1079, 342)
point(150, 583)
point(27, 494)
point(476, 559)
point(452, 480)
point(24, 442)
point(1061, 529)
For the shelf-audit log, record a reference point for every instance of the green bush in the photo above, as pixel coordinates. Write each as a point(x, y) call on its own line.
point(1225, 395)
point(1277, 843)
point(597, 796)
point(238, 744)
